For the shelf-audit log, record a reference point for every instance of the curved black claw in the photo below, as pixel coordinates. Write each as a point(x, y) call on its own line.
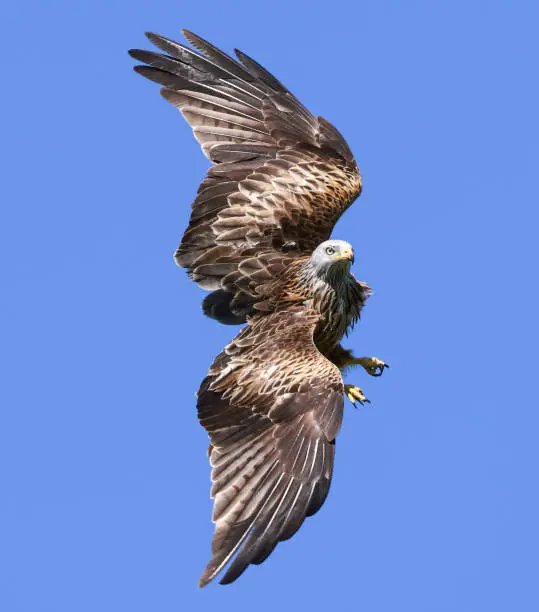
point(362, 402)
point(378, 369)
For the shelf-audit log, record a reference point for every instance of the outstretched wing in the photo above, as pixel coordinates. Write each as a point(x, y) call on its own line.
point(272, 405)
point(281, 178)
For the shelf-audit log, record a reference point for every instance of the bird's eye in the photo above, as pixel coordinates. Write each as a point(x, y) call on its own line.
point(330, 250)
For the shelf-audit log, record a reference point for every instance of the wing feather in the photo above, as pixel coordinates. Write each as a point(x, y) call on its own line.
point(272, 405)
point(289, 175)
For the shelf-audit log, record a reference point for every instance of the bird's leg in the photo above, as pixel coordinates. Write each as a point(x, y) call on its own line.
point(343, 359)
point(355, 394)
point(373, 366)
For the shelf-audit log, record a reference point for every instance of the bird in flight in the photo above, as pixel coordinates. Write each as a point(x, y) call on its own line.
point(259, 240)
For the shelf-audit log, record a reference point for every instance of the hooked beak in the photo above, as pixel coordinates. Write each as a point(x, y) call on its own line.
point(347, 255)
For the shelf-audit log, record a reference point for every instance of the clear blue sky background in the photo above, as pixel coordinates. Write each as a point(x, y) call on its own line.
point(105, 482)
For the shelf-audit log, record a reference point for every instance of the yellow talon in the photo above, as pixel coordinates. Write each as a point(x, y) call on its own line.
point(355, 394)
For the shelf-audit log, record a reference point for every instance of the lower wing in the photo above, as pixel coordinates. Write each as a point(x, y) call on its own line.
point(272, 405)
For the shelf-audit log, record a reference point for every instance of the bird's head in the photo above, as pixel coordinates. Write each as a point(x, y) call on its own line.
point(332, 258)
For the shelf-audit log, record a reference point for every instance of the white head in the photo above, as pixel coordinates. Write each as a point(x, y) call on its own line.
point(332, 258)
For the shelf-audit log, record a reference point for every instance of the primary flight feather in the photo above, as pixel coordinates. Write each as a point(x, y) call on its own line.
point(259, 240)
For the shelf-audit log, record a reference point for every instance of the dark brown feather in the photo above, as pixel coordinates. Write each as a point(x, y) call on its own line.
point(272, 401)
point(288, 176)
point(272, 405)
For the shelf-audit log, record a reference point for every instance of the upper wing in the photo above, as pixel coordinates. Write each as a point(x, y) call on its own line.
point(272, 405)
point(282, 177)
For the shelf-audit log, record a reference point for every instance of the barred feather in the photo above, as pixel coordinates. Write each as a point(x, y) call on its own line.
point(272, 405)
point(288, 176)
point(272, 401)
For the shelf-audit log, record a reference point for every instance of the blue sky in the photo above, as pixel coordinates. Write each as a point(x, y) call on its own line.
point(104, 474)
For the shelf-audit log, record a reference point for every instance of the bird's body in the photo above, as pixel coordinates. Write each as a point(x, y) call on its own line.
point(338, 299)
point(259, 240)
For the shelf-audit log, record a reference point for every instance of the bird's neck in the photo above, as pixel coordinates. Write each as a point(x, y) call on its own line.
point(335, 276)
